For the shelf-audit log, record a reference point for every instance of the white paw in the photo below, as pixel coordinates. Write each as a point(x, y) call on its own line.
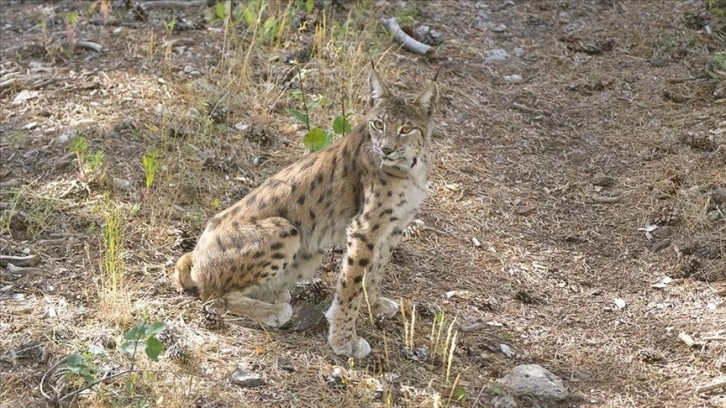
point(385, 307)
point(357, 348)
point(280, 317)
point(282, 297)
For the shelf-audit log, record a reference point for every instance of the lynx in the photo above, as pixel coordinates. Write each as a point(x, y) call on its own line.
point(363, 190)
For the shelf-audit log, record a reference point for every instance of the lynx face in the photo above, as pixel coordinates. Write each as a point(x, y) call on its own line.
point(399, 128)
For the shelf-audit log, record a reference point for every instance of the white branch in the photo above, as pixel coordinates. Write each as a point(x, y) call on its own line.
point(391, 24)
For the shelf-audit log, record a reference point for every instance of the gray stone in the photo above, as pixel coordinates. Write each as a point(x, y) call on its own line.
point(718, 195)
point(247, 379)
point(504, 401)
point(121, 184)
point(534, 381)
point(497, 56)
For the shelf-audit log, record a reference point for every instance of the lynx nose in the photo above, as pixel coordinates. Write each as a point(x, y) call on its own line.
point(386, 150)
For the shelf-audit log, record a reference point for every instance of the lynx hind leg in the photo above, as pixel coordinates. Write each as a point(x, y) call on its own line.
point(183, 273)
point(273, 315)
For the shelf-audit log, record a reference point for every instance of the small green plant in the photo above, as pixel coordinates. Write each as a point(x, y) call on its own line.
point(714, 8)
point(143, 335)
point(170, 25)
point(80, 366)
point(88, 161)
point(407, 16)
point(150, 162)
point(716, 67)
point(316, 138)
point(79, 146)
point(113, 263)
point(71, 22)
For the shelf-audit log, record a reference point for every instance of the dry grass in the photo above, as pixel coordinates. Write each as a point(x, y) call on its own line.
point(517, 167)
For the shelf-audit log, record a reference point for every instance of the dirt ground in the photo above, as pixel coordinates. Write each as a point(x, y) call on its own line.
point(576, 211)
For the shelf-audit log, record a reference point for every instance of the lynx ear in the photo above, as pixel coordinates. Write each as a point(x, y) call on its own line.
point(378, 90)
point(428, 98)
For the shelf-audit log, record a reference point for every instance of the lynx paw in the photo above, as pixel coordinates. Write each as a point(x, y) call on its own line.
point(356, 348)
point(282, 296)
point(280, 317)
point(385, 307)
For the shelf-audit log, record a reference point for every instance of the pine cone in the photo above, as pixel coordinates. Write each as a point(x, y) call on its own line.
point(211, 319)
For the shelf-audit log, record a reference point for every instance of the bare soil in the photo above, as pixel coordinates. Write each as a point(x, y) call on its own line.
point(574, 212)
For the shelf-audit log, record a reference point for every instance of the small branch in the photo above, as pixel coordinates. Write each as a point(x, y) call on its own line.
point(527, 109)
point(711, 387)
point(31, 260)
point(148, 5)
point(305, 104)
point(606, 200)
point(90, 45)
point(391, 24)
point(24, 270)
point(685, 338)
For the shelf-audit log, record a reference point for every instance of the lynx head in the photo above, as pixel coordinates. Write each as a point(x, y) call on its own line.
point(399, 128)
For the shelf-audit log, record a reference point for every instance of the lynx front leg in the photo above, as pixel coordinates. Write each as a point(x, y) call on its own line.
point(344, 310)
point(379, 305)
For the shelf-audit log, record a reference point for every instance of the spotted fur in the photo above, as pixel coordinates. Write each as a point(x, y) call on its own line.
point(363, 190)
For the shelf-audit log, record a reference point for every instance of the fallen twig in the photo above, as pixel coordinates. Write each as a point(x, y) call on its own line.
point(606, 200)
point(473, 327)
point(23, 270)
point(148, 5)
point(391, 24)
point(90, 45)
point(30, 260)
point(688, 340)
point(711, 387)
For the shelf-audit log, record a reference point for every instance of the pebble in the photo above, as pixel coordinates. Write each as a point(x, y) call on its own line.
point(247, 379)
point(513, 79)
point(718, 195)
point(497, 56)
point(532, 380)
point(504, 401)
point(121, 184)
point(499, 28)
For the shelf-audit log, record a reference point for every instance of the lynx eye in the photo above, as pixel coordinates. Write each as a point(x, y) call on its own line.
point(378, 124)
point(405, 129)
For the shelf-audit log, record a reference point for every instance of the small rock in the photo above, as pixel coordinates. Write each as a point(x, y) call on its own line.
point(497, 56)
point(241, 126)
point(504, 401)
point(499, 28)
point(603, 181)
point(247, 379)
point(660, 61)
point(718, 196)
point(513, 79)
point(519, 52)
point(284, 363)
point(31, 125)
point(720, 91)
point(121, 184)
point(619, 303)
point(506, 350)
point(534, 381)
point(24, 96)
